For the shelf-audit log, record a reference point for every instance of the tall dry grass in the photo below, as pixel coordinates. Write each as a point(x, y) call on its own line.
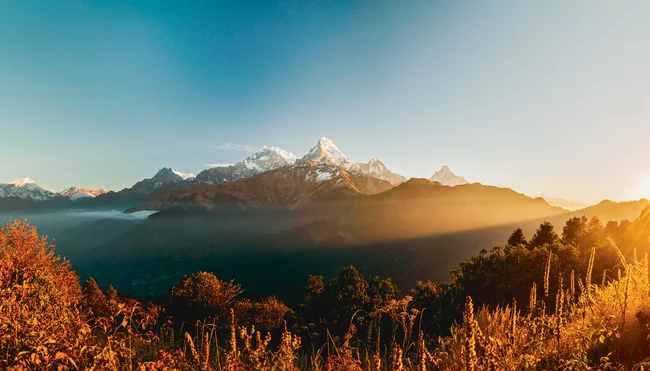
point(602, 327)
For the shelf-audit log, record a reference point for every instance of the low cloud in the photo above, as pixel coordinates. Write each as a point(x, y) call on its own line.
point(217, 165)
point(235, 147)
point(107, 214)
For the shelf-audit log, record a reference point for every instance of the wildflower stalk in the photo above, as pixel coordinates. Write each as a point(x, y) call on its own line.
point(471, 359)
point(533, 299)
point(547, 274)
point(590, 269)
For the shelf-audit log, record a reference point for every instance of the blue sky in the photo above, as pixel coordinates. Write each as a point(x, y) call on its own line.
point(552, 97)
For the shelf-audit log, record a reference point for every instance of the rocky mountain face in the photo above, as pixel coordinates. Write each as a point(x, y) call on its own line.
point(275, 178)
point(266, 159)
point(377, 169)
point(288, 187)
point(327, 153)
point(446, 177)
point(166, 179)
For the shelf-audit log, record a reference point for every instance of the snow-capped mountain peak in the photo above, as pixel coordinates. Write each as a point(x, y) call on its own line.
point(164, 176)
point(447, 177)
point(326, 152)
point(377, 169)
point(22, 182)
point(26, 188)
point(376, 165)
point(169, 174)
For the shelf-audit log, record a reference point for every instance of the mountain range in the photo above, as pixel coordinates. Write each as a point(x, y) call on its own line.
point(270, 177)
point(325, 154)
point(27, 189)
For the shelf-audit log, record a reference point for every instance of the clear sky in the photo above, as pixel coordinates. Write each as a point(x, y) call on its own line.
point(551, 97)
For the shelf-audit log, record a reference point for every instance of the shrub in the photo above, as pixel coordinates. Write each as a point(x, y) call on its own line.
point(269, 313)
point(203, 296)
point(41, 326)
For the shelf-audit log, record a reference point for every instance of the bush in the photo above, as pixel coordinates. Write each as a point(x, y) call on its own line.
point(203, 296)
point(40, 323)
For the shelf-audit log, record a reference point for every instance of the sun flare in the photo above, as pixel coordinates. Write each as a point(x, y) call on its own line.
point(643, 189)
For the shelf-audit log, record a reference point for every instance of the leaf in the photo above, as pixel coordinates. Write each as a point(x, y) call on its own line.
point(60, 355)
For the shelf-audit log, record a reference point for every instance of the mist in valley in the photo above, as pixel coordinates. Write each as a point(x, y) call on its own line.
point(144, 254)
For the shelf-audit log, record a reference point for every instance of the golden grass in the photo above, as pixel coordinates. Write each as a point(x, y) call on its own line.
point(604, 327)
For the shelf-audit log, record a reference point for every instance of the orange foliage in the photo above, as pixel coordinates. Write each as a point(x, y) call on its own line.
point(40, 324)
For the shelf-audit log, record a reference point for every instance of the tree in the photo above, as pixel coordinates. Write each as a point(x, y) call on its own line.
point(334, 304)
point(203, 296)
point(314, 288)
point(517, 238)
point(544, 235)
point(351, 294)
point(94, 299)
point(594, 233)
point(382, 291)
point(574, 231)
point(435, 303)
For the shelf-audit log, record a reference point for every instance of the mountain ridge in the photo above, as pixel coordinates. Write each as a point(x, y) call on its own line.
point(290, 187)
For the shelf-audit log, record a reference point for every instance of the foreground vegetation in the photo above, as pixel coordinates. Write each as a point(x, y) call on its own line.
point(578, 301)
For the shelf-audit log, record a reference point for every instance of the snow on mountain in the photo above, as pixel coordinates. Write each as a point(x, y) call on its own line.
point(22, 182)
point(74, 193)
point(184, 176)
point(327, 153)
point(164, 176)
point(376, 168)
point(268, 158)
point(446, 177)
point(290, 187)
point(26, 189)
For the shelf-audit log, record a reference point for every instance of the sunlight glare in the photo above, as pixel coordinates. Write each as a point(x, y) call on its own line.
point(643, 189)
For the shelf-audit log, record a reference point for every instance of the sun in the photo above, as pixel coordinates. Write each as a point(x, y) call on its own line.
point(642, 189)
